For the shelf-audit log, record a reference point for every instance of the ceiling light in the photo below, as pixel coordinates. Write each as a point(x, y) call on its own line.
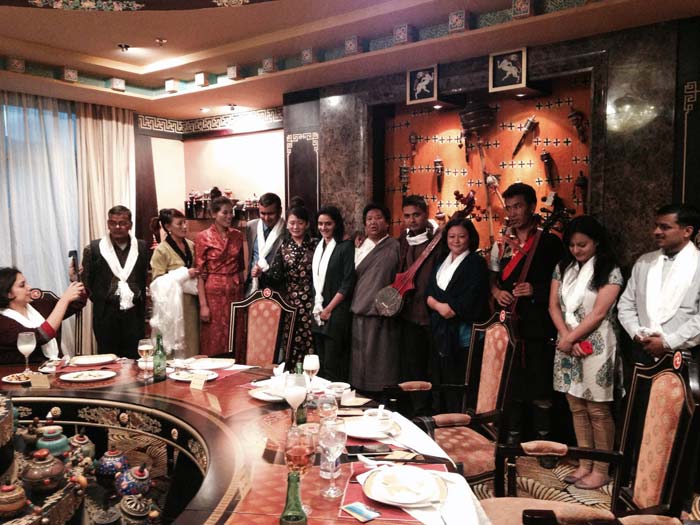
point(204, 110)
point(437, 106)
point(520, 95)
point(161, 41)
point(123, 47)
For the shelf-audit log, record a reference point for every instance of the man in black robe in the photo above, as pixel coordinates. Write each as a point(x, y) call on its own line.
point(526, 295)
point(114, 270)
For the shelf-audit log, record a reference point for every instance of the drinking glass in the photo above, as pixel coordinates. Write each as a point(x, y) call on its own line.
point(26, 343)
point(311, 367)
point(331, 440)
point(299, 452)
point(295, 393)
point(145, 349)
point(327, 406)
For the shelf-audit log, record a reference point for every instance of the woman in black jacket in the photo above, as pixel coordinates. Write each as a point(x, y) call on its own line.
point(457, 296)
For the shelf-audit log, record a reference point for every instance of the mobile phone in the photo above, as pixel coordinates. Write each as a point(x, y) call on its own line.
point(586, 347)
point(378, 449)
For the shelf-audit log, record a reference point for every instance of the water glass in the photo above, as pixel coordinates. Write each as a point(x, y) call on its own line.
point(331, 439)
point(327, 406)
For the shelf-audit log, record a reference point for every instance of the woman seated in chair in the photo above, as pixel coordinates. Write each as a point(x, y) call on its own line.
point(291, 274)
point(584, 289)
point(457, 296)
point(24, 310)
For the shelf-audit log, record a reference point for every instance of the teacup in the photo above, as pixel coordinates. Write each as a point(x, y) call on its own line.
point(338, 388)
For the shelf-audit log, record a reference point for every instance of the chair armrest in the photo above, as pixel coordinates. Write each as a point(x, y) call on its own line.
point(452, 420)
point(486, 417)
point(607, 456)
point(415, 386)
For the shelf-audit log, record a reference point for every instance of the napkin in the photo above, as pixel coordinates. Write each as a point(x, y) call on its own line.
point(278, 370)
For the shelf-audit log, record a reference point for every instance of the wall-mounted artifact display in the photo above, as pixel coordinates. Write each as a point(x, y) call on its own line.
point(508, 70)
point(421, 85)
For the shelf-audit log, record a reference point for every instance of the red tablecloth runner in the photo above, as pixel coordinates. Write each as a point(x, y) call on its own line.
point(353, 493)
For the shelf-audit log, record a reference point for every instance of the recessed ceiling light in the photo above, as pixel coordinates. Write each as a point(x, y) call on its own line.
point(123, 47)
point(161, 41)
point(520, 95)
point(204, 110)
point(437, 106)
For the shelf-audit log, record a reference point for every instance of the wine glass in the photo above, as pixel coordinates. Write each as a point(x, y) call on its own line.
point(299, 452)
point(311, 366)
point(331, 440)
point(145, 349)
point(26, 343)
point(327, 406)
point(295, 393)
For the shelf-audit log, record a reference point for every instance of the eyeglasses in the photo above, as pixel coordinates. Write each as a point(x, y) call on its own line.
point(118, 224)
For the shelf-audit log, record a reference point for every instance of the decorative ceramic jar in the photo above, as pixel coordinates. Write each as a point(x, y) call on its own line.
point(42, 473)
point(82, 442)
point(135, 507)
point(133, 481)
point(111, 462)
point(52, 438)
point(12, 500)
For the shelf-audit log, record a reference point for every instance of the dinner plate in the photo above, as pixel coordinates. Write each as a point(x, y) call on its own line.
point(208, 363)
point(262, 394)
point(405, 486)
point(87, 376)
point(185, 375)
point(16, 379)
point(365, 428)
point(93, 360)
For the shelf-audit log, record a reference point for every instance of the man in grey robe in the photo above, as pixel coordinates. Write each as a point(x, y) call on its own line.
point(375, 339)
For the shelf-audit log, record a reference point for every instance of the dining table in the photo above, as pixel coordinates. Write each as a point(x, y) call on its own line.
point(231, 442)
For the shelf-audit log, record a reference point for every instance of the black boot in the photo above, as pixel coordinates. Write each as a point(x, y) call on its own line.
point(541, 422)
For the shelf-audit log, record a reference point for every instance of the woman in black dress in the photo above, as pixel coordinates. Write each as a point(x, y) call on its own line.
point(290, 274)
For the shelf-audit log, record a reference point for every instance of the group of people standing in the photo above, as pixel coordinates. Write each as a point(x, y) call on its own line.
point(563, 297)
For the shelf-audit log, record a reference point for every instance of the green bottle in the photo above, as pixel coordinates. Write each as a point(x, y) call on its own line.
point(301, 411)
point(293, 513)
point(159, 359)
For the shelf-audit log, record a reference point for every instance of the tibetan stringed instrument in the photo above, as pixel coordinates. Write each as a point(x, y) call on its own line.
point(389, 299)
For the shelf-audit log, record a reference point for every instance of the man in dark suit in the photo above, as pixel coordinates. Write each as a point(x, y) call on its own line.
point(262, 250)
point(114, 271)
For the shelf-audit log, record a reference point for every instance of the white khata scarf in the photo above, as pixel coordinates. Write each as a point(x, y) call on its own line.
point(265, 246)
point(447, 269)
point(664, 297)
point(415, 240)
point(319, 267)
point(126, 296)
point(574, 284)
point(34, 320)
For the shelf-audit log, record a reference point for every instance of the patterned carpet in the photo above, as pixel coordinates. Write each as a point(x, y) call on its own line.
point(534, 481)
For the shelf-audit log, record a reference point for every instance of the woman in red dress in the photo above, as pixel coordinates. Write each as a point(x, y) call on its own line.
point(219, 258)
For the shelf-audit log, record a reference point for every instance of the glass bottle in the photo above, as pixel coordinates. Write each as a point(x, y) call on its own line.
point(301, 411)
point(293, 513)
point(159, 359)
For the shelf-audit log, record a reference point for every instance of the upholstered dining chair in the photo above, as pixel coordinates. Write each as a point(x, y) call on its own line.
point(470, 437)
point(262, 327)
point(654, 464)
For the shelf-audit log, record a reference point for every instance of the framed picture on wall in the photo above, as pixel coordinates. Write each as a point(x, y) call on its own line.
point(421, 85)
point(508, 70)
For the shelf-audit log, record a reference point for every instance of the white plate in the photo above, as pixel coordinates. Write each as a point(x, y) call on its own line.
point(262, 394)
point(16, 379)
point(365, 428)
point(87, 376)
point(208, 363)
point(405, 486)
point(184, 375)
point(93, 360)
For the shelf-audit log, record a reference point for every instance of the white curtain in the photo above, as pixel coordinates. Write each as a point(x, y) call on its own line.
point(106, 176)
point(39, 191)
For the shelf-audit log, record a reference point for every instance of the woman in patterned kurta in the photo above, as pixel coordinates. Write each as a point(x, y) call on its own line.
point(219, 258)
point(291, 275)
point(584, 289)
